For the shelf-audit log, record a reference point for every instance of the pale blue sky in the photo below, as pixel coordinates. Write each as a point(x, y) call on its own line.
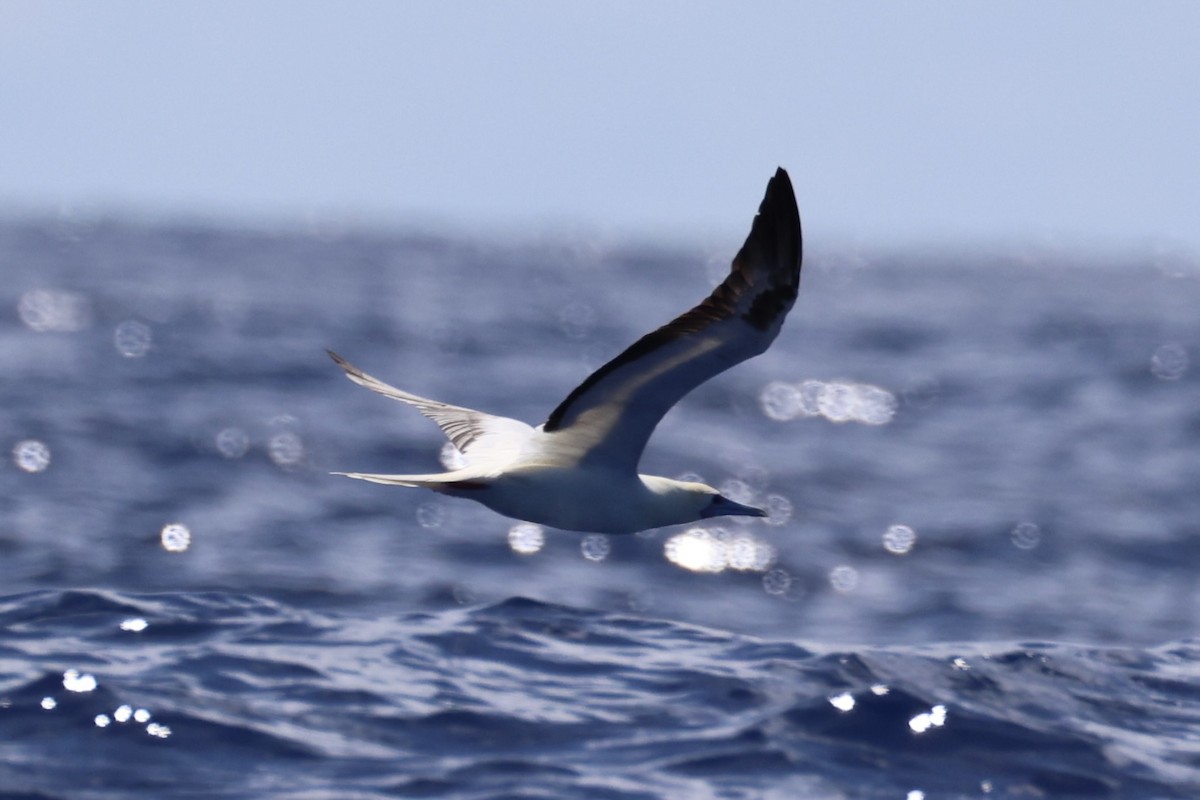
point(952, 122)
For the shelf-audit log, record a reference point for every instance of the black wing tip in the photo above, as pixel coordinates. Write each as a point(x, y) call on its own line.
point(775, 233)
point(350, 370)
point(779, 201)
point(774, 241)
point(779, 189)
point(775, 246)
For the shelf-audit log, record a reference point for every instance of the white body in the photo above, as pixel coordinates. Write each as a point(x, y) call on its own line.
point(587, 499)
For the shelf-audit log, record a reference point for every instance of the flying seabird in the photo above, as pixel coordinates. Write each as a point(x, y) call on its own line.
point(578, 469)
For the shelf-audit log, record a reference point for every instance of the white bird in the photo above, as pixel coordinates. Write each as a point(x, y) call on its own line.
point(578, 470)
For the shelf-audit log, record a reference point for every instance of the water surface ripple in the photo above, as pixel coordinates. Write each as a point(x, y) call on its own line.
point(527, 699)
point(978, 578)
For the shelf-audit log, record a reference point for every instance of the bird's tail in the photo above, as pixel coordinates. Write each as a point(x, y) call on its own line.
point(445, 482)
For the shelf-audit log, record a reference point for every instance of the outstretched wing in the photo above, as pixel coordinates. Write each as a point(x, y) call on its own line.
point(609, 417)
point(474, 433)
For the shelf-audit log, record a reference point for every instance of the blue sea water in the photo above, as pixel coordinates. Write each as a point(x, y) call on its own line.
point(978, 579)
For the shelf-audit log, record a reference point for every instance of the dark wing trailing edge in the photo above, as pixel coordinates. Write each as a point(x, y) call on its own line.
point(611, 414)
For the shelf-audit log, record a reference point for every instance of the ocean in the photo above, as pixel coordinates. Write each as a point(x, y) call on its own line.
point(978, 578)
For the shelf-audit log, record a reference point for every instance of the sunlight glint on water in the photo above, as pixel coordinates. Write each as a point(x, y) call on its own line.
point(431, 515)
point(595, 547)
point(286, 449)
point(75, 681)
point(55, 311)
point(132, 338)
point(232, 443)
point(31, 455)
point(843, 578)
point(696, 550)
point(777, 582)
point(176, 538)
point(526, 538)
point(1026, 536)
point(779, 510)
point(836, 401)
point(1169, 362)
point(717, 549)
point(1025, 417)
point(899, 539)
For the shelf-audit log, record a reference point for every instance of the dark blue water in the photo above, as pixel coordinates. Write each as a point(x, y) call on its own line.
point(979, 582)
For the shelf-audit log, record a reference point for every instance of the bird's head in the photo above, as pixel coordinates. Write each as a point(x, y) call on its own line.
point(687, 501)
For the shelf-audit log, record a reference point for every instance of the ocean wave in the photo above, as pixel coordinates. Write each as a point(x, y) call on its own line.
point(231, 695)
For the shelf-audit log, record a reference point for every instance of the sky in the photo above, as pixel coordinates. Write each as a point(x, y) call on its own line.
point(900, 123)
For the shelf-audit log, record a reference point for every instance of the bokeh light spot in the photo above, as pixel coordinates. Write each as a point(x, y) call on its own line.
point(899, 539)
point(1169, 362)
point(50, 310)
point(31, 455)
point(132, 338)
point(779, 509)
point(696, 550)
point(232, 442)
point(843, 578)
point(1026, 536)
point(75, 681)
point(780, 401)
point(595, 547)
point(526, 538)
point(286, 449)
point(745, 553)
point(431, 515)
point(810, 397)
point(837, 401)
point(703, 550)
point(874, 406)
point(777, 582)
point(176, 538)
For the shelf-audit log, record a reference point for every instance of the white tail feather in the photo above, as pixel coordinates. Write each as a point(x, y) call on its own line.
point(438, 482)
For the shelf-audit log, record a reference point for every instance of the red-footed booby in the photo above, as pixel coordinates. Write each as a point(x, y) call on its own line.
point(578, 470)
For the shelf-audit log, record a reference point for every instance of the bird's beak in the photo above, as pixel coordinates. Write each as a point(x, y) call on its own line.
point(722, 506)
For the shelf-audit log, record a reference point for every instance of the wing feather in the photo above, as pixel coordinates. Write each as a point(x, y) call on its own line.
point(611, 415)
point(474, 433)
